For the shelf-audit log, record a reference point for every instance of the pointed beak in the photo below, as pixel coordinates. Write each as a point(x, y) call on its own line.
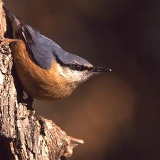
point(100, 69)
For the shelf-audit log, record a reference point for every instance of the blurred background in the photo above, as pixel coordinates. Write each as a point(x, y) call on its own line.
point(117, 113)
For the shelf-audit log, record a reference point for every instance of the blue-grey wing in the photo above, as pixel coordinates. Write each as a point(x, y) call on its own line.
point(41, 49)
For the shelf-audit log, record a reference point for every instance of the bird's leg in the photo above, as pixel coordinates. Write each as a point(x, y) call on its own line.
point(27, 102)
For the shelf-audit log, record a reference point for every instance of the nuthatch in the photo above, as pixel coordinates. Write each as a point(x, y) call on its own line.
point(46, 71)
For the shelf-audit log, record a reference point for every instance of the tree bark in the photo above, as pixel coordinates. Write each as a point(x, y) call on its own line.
point(22, 134)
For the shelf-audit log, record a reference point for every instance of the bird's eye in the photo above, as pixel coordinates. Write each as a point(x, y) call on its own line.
point(76, 67)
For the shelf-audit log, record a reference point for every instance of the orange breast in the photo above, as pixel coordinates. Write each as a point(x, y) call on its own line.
point(38, 82)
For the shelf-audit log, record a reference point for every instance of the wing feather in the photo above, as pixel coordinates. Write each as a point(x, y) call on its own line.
point(39, 47)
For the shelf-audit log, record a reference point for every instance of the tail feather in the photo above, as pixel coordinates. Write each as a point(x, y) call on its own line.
point(16, 23)
point(9, 15)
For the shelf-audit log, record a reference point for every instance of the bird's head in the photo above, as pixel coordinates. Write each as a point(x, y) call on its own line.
point(76, 69)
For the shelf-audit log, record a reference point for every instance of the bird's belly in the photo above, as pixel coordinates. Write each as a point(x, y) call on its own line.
point(38, 82)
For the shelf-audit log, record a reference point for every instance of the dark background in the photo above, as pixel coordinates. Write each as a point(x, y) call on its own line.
point(116, 114)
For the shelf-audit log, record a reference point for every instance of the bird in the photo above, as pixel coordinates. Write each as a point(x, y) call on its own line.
point(46, 71)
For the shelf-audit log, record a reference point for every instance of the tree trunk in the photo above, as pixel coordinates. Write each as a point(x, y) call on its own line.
point(22, 134)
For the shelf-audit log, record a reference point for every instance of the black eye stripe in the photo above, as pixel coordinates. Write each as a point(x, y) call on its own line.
point(74, 66)
point(79, 67)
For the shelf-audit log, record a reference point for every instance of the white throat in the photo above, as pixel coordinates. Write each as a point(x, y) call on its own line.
point(73, 75)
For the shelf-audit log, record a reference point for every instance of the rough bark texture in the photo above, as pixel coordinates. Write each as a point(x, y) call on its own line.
point(22, 134)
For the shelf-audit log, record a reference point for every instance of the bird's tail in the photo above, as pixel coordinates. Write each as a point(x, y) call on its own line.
point(16, 23)
point(9, 15)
